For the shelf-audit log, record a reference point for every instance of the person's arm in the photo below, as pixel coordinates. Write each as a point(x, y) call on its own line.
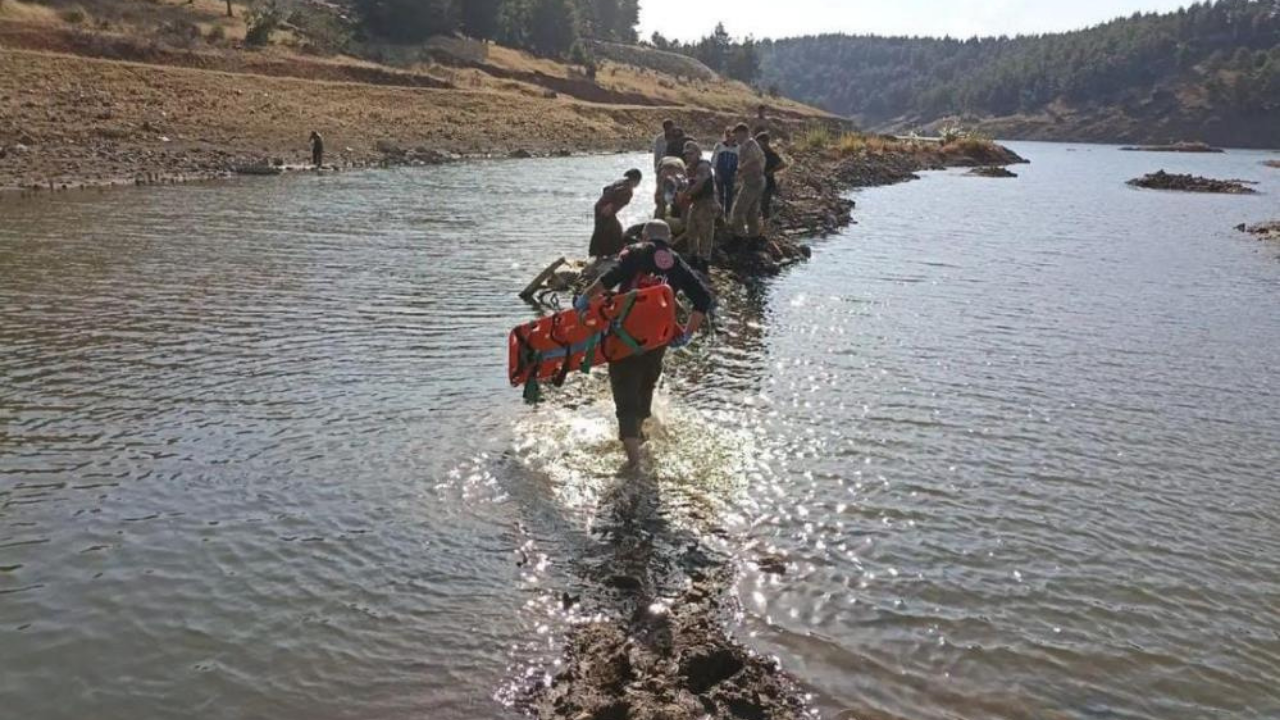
point(688, 282)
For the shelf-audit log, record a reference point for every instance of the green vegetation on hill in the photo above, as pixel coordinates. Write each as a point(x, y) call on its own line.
point(1212, 66)
point(736, 59)
point(547, 27)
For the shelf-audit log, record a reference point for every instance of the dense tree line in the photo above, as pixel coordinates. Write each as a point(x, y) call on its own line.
point(1227, 52)
point(547, 27)
point(737, 59)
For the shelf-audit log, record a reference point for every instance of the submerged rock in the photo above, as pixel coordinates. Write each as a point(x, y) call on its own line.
point(1262, 231)
point(1189, 183)
point(1182, 147)
point(992, 172)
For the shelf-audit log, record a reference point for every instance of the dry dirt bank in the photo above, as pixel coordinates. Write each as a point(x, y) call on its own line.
point(68, 120)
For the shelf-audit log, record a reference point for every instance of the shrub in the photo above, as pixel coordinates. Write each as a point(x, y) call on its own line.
point(74, 15)
point(815, 138)
point(969, 145)
point(851, 143)
point(180, 33)
point(216, 34)
point(326, 32)
point(262, 19)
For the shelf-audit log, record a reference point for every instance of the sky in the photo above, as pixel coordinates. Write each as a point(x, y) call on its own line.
point(692, 19)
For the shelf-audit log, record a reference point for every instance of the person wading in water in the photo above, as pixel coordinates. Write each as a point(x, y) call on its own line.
point(633, 380)
point(607, 240)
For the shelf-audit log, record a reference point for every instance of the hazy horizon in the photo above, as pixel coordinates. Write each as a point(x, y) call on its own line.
point(683, 20)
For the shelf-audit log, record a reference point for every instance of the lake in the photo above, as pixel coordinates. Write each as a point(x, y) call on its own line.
point(1016, 444)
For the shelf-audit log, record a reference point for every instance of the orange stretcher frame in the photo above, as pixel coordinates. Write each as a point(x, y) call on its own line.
point(615, 327)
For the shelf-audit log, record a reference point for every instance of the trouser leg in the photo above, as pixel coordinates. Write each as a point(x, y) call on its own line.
point(746, 210)
point(700, 228)
point(633, 382)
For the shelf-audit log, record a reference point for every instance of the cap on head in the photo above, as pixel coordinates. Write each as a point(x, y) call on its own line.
point(692, 148)
point(657, 231)
point(634, 174)
point(741, 128)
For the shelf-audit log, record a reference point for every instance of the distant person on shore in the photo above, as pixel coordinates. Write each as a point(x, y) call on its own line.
point(773, 164)
point(766, 124)
point(608, 238)
point(633, 380)
point(317, 149)
point(661, 141)
point(701, 209)
point(744, 221)
point(724, 159)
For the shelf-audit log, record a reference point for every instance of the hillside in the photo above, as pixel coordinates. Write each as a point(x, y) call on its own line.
point(1209, 72)
point(144, 88)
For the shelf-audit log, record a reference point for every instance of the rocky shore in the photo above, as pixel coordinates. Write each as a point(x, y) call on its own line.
point(1262, 231)
point(1162, 180)
point(1182, 147)
point(993, 172)
point(812, 200)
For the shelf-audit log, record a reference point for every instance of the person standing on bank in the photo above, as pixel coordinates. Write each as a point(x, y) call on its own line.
point(701, 208)
point(773, 164)
point(724, 159)
point(607, 239)
point(661, 141)
point(317, 149)
point(744, 221)
point(633, 380)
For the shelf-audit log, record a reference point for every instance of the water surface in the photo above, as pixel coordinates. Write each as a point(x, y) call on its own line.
point(1017, 442)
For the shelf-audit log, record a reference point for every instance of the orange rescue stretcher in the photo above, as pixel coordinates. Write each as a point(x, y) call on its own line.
point(615, 327)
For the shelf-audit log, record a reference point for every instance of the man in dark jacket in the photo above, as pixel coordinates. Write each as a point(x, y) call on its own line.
point(675, 147)
point(773, 164)
point(607, 239)
point(634, 379)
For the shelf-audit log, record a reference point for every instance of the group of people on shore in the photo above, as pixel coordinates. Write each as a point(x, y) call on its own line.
point(734, 186)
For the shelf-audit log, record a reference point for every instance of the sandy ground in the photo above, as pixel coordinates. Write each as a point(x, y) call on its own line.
point(66, 120)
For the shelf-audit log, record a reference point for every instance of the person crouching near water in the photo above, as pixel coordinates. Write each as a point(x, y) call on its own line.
point(633, 380)
point(671, 181)
point(608, 239)
point(317, 149)
point(701, 208)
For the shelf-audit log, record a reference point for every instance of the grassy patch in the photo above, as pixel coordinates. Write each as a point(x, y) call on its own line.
point(851, 143)
point(817, 138)
point(969, 145)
